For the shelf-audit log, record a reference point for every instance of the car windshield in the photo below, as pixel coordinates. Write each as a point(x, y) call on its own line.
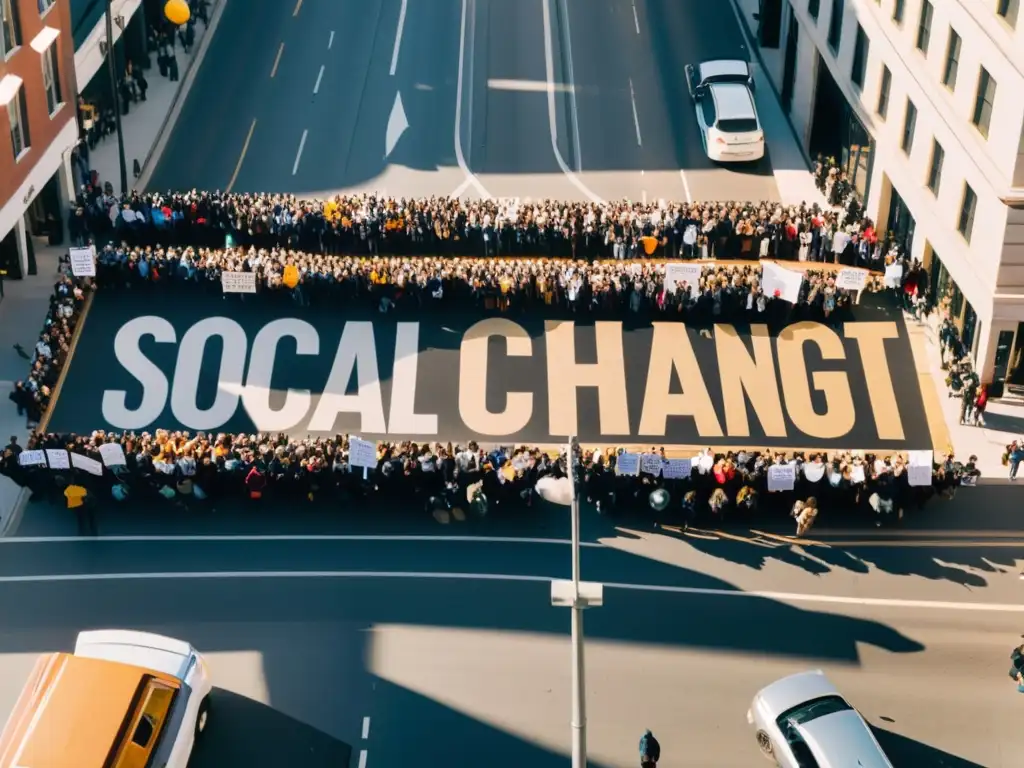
point(790, 720)
point(723, 77)
point(737, 125)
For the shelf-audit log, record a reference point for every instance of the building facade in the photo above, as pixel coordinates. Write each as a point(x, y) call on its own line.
point(920, 102)
point(38, 127)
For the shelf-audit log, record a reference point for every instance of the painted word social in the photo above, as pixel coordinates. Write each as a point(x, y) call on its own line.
point(803, 382)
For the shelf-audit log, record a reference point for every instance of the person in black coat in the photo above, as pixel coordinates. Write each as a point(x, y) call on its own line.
point(650, 750)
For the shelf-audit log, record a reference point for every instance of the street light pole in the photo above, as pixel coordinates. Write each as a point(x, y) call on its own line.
point(579, 684)
point(112, 72)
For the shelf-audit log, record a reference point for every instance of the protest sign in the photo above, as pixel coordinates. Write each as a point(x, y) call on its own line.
point(362, 453)
point(627, 464)
point(851, 279)
point(32, 458)
point(893, 275)
point(677, 274)
point(781, 477)
point(238, 282)
point(676, 469)
point(857, 474)
point(814, 471)
point(58, 458)
point(86, 464)
point(650, 463)
point(83, 261)
point(112, 454)
point(780, 282)
point(919, 468)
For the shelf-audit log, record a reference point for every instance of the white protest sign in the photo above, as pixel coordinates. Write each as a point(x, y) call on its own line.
point(893, 275)
point(857, 474)
point(112, 454)
point(238, 282)
point(919, 469)
point(362, 453)
point(814, 471)
point(86, 464)
point(780, 282)
point(677, 274)
point(851, 279)
point(650, 463)
point(58, 458)
point(676, 469)
point(781, 477)
point(627, 464)
point(32, 458)
point(83, 261)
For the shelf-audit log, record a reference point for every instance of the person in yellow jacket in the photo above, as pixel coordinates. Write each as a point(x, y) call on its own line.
point(80, 503)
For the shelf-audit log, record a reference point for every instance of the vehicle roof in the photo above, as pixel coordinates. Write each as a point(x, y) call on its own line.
point(732, 101)
point(71, 712)
point(140, 649)
point(794, 690)
point(843, 740)
point(724, 68)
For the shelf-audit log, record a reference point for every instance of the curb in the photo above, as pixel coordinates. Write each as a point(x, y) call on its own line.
point(156, 149)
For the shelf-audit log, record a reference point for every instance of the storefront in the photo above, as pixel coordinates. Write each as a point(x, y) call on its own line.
point(901, 223)
point(947, 296)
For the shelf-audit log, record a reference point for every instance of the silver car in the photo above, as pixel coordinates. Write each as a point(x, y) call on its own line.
point(723, 100)
point(803, 722)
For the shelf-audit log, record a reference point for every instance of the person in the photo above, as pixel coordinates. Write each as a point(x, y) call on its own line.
point(650, 750)
point(1017, 667)
point(78, 501)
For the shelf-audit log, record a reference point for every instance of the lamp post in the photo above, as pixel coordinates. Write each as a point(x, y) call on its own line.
point(112, 72)
point(577, 595)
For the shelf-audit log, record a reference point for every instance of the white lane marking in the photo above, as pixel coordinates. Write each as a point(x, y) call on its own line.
point(330, 40)
point(277, 61)
point(472, 79)
point(470, 178)
point(289, 537)
point(366, 728)
point(636, 19)
point(298, 155)
point(686, 187)
point(319, 77)
point(549, 61)
point(793, 597)
point(636, 116)
point(398, 38)
point(572, 88)
point(362, 758)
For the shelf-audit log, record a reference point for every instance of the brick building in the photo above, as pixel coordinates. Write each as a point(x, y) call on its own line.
point(38, 126)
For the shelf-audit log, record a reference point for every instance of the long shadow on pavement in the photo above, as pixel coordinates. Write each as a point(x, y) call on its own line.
point(904, 752)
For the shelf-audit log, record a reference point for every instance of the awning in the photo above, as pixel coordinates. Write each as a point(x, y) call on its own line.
point(44, 39)
point(9, 88)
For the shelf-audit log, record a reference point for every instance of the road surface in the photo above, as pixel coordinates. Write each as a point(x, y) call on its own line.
point(568, 99)
point(440, 651)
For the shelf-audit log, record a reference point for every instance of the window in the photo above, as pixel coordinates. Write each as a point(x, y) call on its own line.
point(898, 10)
point(51, 78)
point(883, 93)
point(983, 101)
point(860, 57)
point(935, 168)
point(1008, 10)
point(909, 124)
point(924, 27)
point(813, 8)
point(967, 208)
point(835, 25)
point(17, 110)
point(12, 27)
point(952, 60)
point(143, 731)
point(45, 5)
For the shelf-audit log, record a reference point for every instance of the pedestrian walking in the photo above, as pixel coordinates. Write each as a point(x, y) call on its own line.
point(650, 750)
point(80, 502)
point(1014, 456)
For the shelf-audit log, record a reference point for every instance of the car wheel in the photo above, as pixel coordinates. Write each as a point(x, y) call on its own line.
point(203, 716)
point(764, 743)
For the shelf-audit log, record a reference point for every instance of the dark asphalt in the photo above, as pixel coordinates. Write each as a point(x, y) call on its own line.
point(506, 117)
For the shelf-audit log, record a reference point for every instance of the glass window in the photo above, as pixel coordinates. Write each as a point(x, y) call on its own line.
point(860, 57)
point(813, 8)
point(11, 37)
point(952, 59)
point(143, 731)
point(984, 100)
point(51, 78)
point(924, 27)
point(45, 5)
point(883, 93)
point(1008, 10)
point(16, 112)
point(898, 10)
point(935, 167)
point(909, 124)
point(835, 25)
point(965, 224)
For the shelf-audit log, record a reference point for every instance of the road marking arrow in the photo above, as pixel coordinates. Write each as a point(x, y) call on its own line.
point(397, 125)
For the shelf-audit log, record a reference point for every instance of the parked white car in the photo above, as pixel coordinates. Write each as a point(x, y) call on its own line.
point(803, 720)
point(722, 92)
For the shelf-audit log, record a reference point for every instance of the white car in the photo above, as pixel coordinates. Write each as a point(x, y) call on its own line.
point(802, 720)
point(123, 698)
point(722, 92)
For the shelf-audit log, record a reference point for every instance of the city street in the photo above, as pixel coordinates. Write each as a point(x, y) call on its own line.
point(533, 98)
point(441, 650)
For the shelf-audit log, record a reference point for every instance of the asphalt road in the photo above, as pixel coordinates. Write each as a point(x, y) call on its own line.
point(570, 99)
point(464, 669)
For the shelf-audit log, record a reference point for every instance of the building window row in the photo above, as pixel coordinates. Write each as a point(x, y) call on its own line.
point(11, 33)
point(17, 112)
point(1007, 10)
point(924, 27)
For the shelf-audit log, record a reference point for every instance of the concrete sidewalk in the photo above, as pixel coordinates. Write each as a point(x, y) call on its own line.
point(147, 123)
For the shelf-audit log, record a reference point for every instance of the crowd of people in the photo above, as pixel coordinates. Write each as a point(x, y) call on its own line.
point(367, 224)
point(207, 470)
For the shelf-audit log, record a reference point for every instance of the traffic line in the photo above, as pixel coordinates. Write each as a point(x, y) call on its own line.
point(319, 77)
point(636, 116)
point(241, 157)
point(398, 38)
point(298, 155)
point(789, 597)
point(289, 537)
point(366, 728)
point(277, 62)
point(298, 7)
point(362, 758)
point(330, 40)
point(636, 19)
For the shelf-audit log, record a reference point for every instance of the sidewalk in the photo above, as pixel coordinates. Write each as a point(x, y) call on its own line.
point(148, 121)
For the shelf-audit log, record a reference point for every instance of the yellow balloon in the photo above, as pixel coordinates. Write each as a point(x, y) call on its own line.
point(290, 276)
point(177, 12)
